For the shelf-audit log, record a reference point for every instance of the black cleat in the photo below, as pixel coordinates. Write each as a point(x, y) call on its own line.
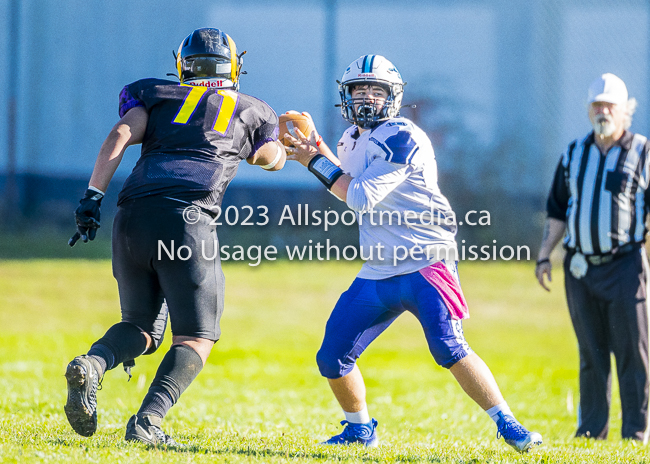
point(81, 407)
point(146, 429)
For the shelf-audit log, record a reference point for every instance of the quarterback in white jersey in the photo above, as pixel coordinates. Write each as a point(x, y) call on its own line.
point(396, 196)
point(386, 172)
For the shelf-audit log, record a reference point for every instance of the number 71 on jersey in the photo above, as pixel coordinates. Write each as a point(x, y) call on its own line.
point(192, 100)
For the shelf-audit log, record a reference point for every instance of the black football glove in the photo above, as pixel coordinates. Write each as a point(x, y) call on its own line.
point(87, 216)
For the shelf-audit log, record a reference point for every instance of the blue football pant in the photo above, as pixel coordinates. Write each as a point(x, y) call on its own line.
point(368, 307)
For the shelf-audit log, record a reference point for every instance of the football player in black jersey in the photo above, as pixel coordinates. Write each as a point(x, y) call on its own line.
point(193, 135)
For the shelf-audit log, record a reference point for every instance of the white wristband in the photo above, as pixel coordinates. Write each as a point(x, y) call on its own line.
point(272, 164)
point(95, 189)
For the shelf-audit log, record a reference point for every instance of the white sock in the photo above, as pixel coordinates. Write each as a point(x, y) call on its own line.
point(494, 411)
point(360, 417)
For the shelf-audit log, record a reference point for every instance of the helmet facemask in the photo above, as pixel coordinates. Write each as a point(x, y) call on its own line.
point(371, 70)
point(205, 67)
point(365, 112)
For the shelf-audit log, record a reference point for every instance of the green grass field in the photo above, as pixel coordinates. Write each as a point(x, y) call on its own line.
point(260, 397)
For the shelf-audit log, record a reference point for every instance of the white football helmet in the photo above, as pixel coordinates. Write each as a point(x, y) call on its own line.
point(371, 70)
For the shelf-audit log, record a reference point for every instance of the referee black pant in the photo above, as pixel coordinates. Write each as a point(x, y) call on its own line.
point(609, 314)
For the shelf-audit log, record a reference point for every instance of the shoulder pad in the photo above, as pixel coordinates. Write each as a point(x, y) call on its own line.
point(255, 100)
point(351, 133)
point(396, 141)
point(150, 82)
point(264, 107)
point(395, 123)
point(133, 94)
point(127, 101)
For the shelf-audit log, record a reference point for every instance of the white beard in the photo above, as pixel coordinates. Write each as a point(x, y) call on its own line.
point(604, 126)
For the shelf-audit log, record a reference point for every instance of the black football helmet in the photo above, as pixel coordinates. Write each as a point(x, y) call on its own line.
point(209, 54)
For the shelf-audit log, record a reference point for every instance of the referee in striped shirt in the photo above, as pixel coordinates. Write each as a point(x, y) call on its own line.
point(598, 201)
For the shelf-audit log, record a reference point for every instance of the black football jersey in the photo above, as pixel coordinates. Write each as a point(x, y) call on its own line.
point(195, 139)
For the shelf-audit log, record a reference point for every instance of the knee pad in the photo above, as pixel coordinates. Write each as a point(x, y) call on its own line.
point(125, 341)
point(332, 367)
point(157, 332)
point(156, 341)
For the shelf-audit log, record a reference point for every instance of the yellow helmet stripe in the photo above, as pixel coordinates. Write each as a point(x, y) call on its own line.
point(234, 68)
point(178, 62)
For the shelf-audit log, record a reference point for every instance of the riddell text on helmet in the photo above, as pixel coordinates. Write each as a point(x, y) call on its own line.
point(207, 83)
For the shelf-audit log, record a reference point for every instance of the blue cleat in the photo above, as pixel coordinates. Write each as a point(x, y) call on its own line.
point(366, 434)
point(516, 434)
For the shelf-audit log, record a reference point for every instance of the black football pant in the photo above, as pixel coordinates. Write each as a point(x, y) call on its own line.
point(609, 314)
point(145, 233)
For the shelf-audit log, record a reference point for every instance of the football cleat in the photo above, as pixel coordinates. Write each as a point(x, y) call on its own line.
point(516, 434)
point(146, 429)
point(366, 434)
point(81, 407)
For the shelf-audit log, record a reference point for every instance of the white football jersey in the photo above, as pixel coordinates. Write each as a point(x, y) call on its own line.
point(405, 223)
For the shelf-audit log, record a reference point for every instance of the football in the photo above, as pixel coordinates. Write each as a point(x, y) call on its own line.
point(290, 122)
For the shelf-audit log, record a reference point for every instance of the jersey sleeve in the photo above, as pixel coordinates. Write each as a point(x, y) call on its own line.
point(351, 164)
point(392, 154)
point(558, 198)
point(267, 129)
point(127, 101)
point(379, 179)
point(145, 92)
point(394, 142)
point(646, 175)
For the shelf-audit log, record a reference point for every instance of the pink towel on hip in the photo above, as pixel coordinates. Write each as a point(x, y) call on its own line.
point(448, 286)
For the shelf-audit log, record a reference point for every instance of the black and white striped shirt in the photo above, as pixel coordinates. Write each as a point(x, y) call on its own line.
point(603, 198)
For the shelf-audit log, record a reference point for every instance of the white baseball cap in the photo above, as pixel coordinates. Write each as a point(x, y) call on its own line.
point(608, 88)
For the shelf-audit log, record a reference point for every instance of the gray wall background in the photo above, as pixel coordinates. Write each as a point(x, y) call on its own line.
point(501, 84)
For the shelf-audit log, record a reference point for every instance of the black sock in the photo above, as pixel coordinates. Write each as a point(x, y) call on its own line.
point(122, 342)
point(156, 403)
point(101, 354)
point(178, 369)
